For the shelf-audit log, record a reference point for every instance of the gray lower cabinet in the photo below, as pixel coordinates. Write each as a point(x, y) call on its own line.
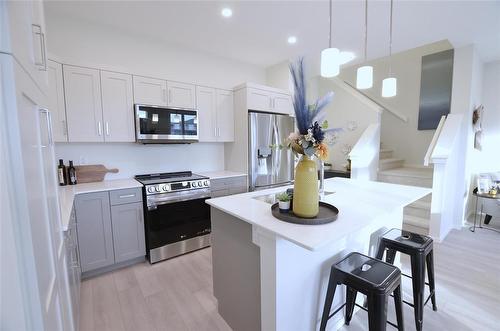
point(110, 228)
point(227, 186)
point(95, 236)
point(128, 231)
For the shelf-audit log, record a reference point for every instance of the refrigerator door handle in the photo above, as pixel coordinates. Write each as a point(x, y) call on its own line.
point(46, 112)
point(277, 153)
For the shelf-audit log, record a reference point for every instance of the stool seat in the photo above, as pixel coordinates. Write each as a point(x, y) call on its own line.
point(420, 250)
point(368, 273)
point(406, 239)
point(374, 278)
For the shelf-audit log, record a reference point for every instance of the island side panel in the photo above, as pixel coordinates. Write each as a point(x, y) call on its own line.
point(236, 271)
point(297, 278)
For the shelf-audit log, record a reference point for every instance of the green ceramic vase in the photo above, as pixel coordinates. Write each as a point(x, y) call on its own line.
point(305, 190)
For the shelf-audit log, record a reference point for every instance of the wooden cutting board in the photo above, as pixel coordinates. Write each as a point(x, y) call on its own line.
point(92, 173)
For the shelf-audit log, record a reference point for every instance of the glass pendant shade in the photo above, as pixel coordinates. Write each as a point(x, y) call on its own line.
point(330, 62)
point(389, 87)
point(364, 78)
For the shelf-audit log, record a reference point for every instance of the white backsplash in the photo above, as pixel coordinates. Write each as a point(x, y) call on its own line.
point(134, 159)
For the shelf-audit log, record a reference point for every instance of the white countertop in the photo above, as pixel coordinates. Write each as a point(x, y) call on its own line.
point(359, 202)
point(67, 194)
point(221, 174)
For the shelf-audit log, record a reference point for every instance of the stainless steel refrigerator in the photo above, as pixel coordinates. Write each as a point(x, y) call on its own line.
point(270, 163)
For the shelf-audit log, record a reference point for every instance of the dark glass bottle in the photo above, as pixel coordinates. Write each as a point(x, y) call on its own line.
point(71, 174)
point(61, 173)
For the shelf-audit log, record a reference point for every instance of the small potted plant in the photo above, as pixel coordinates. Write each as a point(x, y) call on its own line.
point(283, 202)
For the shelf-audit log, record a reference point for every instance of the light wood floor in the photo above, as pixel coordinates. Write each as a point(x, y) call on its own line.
point(171, 295)
point(177, 294)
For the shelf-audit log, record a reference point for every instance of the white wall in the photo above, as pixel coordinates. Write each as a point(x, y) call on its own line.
point(345, 108)
point(136, 159)
point(489, 158)
point(81, 43)
point(407, 142)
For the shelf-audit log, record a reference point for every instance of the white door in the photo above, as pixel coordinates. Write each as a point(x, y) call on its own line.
point(206, 101)
point(150, 91)
point(225, 116)
point(181, 95)
point(282, 103)
point(35, 149)
point(259, 100)
point(117, 107)
point(82, 88)
point(56, 102)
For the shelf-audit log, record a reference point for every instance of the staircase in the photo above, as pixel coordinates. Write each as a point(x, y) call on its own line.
point(392, 170)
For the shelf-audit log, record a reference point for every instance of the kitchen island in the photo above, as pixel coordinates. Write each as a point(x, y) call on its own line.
point(272, 275)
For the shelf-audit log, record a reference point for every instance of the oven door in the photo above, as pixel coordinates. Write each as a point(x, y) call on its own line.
point(170, 220)
point(165, 125)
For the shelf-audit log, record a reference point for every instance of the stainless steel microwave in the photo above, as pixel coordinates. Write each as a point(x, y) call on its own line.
point(162, 125)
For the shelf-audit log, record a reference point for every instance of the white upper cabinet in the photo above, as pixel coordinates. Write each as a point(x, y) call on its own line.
point(27, 39)
point(282, 103)
point(56, 101)
point(269, 101)
point(259, 100)
point(150, 91)
point(205, 99)
point(225, 116)
point(181, 95)
point(82, 88)
point(215, 114)
point(117, 107)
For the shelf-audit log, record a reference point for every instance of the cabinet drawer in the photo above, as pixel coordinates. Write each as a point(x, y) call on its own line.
point(223, 183)
point(130, 195)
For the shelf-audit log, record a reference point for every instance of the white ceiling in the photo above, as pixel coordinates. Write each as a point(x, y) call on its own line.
point(258, 30)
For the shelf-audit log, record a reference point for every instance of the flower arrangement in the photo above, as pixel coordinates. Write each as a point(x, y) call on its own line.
point(311, 124)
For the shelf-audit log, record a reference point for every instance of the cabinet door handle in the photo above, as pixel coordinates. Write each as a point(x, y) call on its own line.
point(99, 128)
point(42, 65)
point(169, 96)
point(215, 132)
point(127, 196)
point(164, 95)
point(107, 128)
point(270, 103)
point(65, 128)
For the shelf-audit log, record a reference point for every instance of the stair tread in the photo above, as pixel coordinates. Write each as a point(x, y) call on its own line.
point(416, 221)
point(408, 172)
point(390, 159)
point(421, 204)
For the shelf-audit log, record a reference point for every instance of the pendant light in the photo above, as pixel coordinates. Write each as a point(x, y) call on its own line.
point(364, 77)
point(330, 57)
point(389, 85)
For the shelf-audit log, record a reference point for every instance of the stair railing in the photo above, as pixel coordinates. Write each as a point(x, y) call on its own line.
point(364, 155)
point(383, 107)
point(432, 145)
point(447, 152)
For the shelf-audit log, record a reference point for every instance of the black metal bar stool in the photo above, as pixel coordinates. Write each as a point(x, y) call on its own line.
point(420, 249)
point(371, 277)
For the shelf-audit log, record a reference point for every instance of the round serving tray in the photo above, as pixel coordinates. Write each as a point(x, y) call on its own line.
point(327, 213)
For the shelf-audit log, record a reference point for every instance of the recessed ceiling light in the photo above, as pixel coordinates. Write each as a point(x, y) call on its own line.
point(292, 40)
point(227, 12)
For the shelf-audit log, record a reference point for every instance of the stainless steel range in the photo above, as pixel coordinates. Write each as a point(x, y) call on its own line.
point(177, 219)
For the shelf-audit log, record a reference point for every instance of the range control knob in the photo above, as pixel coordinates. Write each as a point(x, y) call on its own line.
point(205, 183)
point(151, 189)
point(193, 184)
point(157, 188)
point(200, 183)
